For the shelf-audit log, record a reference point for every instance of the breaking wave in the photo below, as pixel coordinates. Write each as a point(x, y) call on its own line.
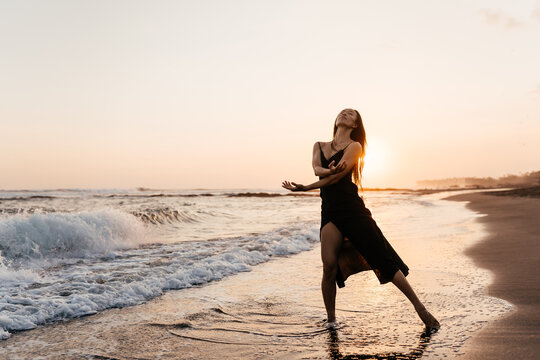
point(67, 234)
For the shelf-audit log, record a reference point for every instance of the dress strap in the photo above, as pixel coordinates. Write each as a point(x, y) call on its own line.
point(346, 146)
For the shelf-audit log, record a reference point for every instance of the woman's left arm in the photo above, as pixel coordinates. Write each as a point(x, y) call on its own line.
point(352, 153)
point(317, 164)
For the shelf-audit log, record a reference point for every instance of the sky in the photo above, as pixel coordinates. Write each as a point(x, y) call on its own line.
point(233, 94)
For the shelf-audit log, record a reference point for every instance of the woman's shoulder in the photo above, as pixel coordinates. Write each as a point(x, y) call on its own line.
point(355, 145)
point(322, 144)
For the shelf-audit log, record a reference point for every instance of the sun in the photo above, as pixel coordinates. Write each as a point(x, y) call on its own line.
point(376, 160)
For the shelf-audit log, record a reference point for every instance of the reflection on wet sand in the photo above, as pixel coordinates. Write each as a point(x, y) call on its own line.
point(334, 352)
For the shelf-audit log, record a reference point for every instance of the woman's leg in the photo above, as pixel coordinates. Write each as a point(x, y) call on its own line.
point(402, 284)
point(331, 241)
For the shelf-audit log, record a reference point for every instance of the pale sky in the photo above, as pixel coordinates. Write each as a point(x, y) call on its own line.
point(233, 94)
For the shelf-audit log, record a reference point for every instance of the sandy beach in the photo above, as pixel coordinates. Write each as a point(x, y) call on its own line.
point(511, 251)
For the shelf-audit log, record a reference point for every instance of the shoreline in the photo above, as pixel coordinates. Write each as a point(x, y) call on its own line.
point(511, 251)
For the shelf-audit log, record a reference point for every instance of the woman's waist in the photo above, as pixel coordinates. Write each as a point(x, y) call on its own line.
point(342, 203)
point(346, 211)
point(340, 195)
point(343, 185)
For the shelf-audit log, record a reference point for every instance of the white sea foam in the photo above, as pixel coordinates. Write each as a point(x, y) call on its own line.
point(129, 277)
point(65, 234)
point(9, 276)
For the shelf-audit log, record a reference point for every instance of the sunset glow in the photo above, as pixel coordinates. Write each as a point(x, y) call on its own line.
point(376, 162)
point(222, 94)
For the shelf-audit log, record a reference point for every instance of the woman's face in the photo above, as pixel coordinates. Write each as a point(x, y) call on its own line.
point(347, 118)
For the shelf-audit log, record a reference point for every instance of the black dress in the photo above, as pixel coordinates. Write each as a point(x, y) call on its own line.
point(342, 206)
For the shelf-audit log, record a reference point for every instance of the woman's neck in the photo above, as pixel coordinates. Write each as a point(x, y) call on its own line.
point(342, 136)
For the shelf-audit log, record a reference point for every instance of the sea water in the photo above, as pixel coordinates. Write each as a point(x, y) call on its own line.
point(70, 253)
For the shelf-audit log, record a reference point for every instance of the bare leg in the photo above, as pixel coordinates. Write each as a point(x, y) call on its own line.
point(331, 241)
point(402, 284)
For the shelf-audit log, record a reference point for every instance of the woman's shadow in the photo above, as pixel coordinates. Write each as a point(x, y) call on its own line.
point(416, 353)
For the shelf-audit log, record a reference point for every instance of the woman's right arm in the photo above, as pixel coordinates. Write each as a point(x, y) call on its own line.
point(316, 162)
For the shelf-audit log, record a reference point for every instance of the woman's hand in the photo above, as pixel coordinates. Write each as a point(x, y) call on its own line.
point(331, 169)
point(336, 169)
point(293, 186)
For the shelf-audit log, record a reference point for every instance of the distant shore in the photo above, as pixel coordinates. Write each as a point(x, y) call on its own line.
point(512, 252)
point(532, 191)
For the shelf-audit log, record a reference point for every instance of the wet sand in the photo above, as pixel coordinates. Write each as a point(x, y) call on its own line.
point(512, 252)
point(273, 312)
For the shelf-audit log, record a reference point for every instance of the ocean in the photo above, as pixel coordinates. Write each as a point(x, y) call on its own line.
point(70, 253)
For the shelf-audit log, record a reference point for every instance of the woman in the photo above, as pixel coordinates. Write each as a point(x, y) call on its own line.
point(339, 165)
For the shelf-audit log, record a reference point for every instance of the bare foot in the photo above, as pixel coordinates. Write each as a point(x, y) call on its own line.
point(331, 325)
point(428, 319)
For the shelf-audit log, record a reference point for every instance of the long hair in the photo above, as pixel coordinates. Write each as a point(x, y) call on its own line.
point(358, 134)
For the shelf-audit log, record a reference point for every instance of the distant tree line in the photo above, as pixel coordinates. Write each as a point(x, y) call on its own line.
point(523, 180)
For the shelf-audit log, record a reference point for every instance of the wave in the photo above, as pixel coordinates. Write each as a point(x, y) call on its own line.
point(24, 194)
point(158, 216)
point(152, 195)
point(30, 197)
point(267, 194)
point(67, 234)
point(138, 275)
point(227, 194)
point(164, 216)
point(147, 193)
point(15, 211)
